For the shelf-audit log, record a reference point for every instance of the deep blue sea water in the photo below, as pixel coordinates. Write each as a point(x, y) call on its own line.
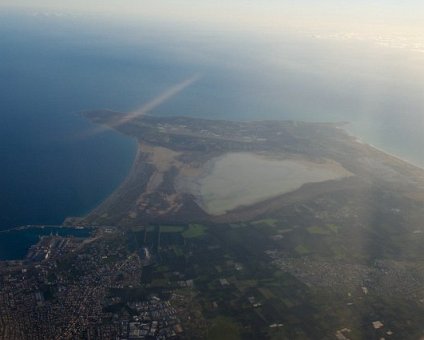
point(52, 165)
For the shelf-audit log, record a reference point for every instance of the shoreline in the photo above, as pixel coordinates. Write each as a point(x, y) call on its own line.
point(15, 243)
point(362, 141)
point(128, 181)
point(139, 165)
point(139, 162)
point(44, 226)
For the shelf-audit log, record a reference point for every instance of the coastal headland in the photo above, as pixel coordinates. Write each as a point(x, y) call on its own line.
point(190, 169)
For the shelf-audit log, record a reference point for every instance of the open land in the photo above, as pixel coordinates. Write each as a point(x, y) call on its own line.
point(234, 230)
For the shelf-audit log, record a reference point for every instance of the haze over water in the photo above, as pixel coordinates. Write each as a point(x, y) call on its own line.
point(52, 163)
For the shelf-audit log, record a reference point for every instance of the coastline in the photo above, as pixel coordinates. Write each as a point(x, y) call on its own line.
point(124, 205)
point(77, 219)
point(65, 174)
point(16, 242)
point(140, 166)
point(43, 226)
point(128, 182)
point(69, 220)
point(362, 140)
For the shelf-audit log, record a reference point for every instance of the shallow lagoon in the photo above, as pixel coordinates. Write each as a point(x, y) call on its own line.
point(240, 179)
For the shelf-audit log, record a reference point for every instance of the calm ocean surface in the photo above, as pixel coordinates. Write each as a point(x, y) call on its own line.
point(53, 166)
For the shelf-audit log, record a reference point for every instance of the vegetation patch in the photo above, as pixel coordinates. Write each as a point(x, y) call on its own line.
point(267, 293)
point(334, 228)
point(239, 225)
point(194, 230)
point(271, 222)
point(178, 251)
point(318, 230)
point(302, 249)
point(163, 269)
point(224, 329)
point(159, 283)
point(171, 229)
point(246, 284)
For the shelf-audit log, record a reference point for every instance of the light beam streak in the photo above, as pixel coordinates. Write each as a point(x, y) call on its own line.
point(165, 96)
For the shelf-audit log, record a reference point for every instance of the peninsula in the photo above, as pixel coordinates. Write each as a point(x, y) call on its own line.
point(197, 170)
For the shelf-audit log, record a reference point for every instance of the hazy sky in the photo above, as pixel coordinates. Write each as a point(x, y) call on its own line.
point(359, 15)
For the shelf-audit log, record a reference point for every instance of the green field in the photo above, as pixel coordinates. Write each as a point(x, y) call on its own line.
point(302, 249)
point(224, 329)
point(171, 229)
point(194, 230)
point(318, 230)
point(271, 222)
point(326, 230)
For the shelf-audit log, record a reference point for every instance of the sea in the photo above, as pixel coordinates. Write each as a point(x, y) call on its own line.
point(55, 164)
